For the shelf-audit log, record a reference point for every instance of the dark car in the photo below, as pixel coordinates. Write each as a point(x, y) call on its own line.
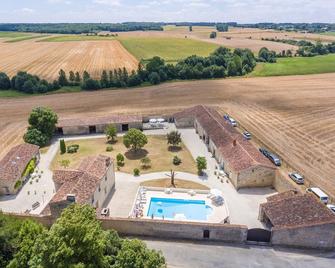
point(296, 177)
point(226, 116)
point(247, 135)
point(274, 159)
point(264, 152)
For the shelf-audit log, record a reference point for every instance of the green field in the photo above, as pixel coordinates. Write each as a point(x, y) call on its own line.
point(171, 49)
point(7, 35)
point(15, 94)
point(24, 38)
point(329, 33)
point(297, 66)
point(69, 38)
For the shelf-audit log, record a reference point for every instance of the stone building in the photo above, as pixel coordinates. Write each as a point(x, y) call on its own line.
point(242, 162)
point(90, 125)
point(298, 220)
point(13, 167)
point(90, 184)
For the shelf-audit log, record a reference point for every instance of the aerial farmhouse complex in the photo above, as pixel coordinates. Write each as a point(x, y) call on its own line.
point(14, 167)
point(241, 161)
point(147, 183)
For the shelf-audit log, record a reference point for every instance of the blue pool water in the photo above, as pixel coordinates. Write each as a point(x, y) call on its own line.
point(169, 207)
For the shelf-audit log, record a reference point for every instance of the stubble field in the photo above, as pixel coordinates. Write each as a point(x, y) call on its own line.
point(294, 116)
point(47, 58)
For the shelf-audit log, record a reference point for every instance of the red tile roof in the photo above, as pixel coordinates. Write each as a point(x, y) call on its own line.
point(82, 182)
point(16, 160)
point(297, 210)
point(240, 156)
point(91, 121)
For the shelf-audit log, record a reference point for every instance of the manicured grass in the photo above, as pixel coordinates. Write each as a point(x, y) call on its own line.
point(166, 183)
point(24, 38)
point(169, 48)
point(297, 66)
point(69, 38)
point(156, 150)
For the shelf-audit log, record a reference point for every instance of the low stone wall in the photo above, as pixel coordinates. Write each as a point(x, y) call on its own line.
point(177, 230)
point(319, 236)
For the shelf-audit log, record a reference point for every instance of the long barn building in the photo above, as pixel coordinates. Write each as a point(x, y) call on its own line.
point(241, 161)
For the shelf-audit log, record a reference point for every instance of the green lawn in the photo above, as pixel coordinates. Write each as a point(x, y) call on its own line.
point(170, 48)
point(297, 66)
point(67, 38)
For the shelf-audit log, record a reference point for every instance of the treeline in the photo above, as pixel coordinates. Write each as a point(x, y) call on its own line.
point(78, 28)
point(306, 48)
point(221, 63)
point(308, 27)
point(222, 27)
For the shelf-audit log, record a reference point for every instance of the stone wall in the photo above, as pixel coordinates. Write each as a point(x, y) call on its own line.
point(318, 236)
point(76, 130)
point(257, 176)
point(176, 230)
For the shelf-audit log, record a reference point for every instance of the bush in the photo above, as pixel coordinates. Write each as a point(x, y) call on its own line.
point(120, 160)
point(109, 148)
point(201, 164)
point(72, 149)
point(176, 160)
point(146, 162)
point(62, 146)
point(136, 172)
point(17, 185)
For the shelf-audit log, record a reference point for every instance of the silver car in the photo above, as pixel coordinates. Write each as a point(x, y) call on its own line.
point(296, 177)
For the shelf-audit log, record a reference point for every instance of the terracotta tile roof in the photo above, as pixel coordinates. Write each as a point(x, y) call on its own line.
point(90, 121)
point(82, 182)
point(283, 195)
point(16, 160)
point(297, 210)
point(240, 156)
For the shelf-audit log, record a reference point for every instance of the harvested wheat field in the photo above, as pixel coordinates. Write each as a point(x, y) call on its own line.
point(294, 115)
point(47, 58)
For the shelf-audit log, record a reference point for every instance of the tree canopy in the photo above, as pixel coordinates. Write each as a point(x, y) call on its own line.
point(134, 139)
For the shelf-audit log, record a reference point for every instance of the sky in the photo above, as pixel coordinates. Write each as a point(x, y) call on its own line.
point(242, 11)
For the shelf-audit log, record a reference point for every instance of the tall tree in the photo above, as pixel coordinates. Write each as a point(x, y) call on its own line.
point(72, 77)
point(174, 138)
point(78, 78)
point(62, 79)
point(111, 133)
point(104, 79)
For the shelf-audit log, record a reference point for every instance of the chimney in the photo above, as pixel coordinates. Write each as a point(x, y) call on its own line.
point(234, 143)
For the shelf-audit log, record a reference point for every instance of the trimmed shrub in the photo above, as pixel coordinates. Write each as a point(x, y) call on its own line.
point(176, 160)
point(109, 148)
point(136, 172)
point(17, 185)
point(62, 146)
point(72, 149)
point(120, 160)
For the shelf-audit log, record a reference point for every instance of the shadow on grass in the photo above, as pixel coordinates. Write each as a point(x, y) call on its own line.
point(174, 149)
point(136, 155)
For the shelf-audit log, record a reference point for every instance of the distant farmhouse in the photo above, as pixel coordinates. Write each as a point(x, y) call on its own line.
point(298, 220)
point(90, 125)
point(242, 162)
point(89, 184)
point(13, 167)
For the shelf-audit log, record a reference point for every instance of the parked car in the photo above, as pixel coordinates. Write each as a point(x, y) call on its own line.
point(296, 177)
point(226, 117)
point(264, 152)
point(331, 207)
point(275, 159)
point(232, 122)
point(247, 135)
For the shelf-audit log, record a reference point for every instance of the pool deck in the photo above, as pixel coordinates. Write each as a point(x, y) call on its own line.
point(220, 212)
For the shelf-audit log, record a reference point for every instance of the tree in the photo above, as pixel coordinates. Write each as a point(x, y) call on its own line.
point(72, 77)
point(62, 146)
point(4, 81)
point(90, 84)
point(154, 78)
point(120, 160)
point(146, 162)
point(154, 64)
point(172, 176)
point(111, 133)
point(174, 138)
point(86, 76)
point(29, 233)
point(62, 79)
point(201, 164)
point(34, 136)
point(104, 79)
point(78, 78)
point(44, 120)
point(212, 35)
point(190, 28)
point(222, 27)
point(134, 139)
point(76, 239)
point(134, 253)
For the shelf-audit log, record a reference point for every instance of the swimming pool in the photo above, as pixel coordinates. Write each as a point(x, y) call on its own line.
point(181, 209)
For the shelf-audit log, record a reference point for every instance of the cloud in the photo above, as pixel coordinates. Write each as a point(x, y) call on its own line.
point(26, 10)
point(67, 2)
point(108, 2)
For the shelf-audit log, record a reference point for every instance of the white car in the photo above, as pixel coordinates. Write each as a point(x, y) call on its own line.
point(331, 207)
point(232, 122)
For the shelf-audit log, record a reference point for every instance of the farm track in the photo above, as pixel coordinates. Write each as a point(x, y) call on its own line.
point(47, 58)
point(294, 116)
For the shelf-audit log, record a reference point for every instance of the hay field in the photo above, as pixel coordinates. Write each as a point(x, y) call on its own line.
point(293, 115)
point(47, 58)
